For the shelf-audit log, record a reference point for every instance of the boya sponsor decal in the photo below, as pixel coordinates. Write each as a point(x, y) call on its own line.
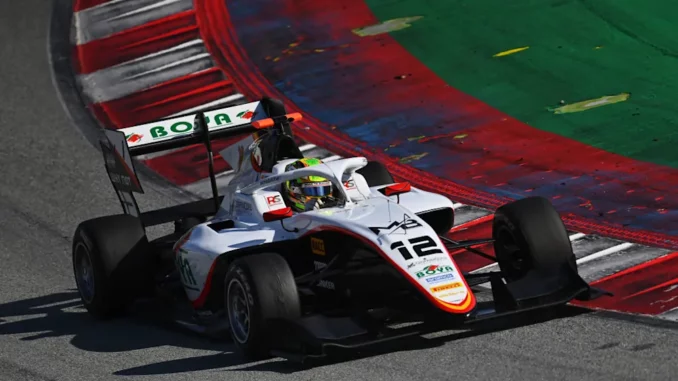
point(176, 128)
point(434, 271)
point(166, 129)
point(185, 127)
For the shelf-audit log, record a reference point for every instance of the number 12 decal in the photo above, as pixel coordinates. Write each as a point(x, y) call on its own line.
point(421, 246)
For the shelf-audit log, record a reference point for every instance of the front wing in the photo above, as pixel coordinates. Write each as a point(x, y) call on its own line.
point(316, 336)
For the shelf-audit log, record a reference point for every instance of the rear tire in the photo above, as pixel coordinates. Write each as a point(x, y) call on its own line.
point(110, 263)
point(257, 288)
point(376, 174)
point(530, 235)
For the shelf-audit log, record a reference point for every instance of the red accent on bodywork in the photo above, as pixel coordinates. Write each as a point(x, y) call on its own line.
point(278, 214)
point(200, 301)
point(397, 189)
point(440, 304)
point(480, 228)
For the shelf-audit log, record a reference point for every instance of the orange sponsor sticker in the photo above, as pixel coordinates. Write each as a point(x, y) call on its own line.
point(446, 287)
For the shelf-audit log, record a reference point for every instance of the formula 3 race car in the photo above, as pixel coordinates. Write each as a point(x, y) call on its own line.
point(296, 284)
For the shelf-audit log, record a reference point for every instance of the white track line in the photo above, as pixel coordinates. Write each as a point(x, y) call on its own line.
point(116, 16)
point(131, 77)
point(625, 259)
point(197, 43)
point(603, 253)
point(159, 4)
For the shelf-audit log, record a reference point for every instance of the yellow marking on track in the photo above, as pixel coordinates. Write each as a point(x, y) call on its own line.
point(460, 136)
point(509, 52)
point(410, 158)
point(591, 103)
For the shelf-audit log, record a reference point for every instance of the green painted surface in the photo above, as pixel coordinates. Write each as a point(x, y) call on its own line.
point(578, 51)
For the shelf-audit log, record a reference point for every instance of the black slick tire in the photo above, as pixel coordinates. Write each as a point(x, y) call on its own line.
point(270, 292)
point(530, 235)
point(115, 250)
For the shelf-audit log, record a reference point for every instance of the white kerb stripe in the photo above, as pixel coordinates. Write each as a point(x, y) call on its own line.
point(130, 77)
point(117, 16)
point(603, 253)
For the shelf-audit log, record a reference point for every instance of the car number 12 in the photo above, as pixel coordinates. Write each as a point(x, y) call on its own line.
point(421, 246)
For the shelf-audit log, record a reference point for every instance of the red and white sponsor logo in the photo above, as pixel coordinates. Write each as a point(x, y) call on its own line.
point(274, 200)
point(350, 184)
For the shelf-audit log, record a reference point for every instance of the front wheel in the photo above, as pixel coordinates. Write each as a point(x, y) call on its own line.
point(530, 235)
point(258, 288)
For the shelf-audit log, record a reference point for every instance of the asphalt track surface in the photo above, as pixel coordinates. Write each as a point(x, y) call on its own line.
point(52, 178)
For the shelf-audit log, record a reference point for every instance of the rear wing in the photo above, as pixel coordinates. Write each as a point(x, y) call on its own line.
point(120, 146)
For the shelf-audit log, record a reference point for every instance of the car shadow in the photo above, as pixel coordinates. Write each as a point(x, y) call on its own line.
point(62, 314)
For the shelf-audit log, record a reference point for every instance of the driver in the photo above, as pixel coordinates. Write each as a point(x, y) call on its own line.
point(307, 193)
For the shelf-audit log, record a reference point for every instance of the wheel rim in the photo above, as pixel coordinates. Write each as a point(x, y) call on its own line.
point(84, 273)
point(517, 260)
point(238, 311)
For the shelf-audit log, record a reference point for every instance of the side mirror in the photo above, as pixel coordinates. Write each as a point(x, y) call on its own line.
point(278, 214)
point(396, 189)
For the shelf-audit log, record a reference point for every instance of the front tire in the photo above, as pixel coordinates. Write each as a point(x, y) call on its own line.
point(530, 235)
point(258, 288)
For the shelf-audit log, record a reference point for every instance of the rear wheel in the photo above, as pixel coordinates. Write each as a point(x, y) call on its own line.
point(258, 288)
point(530, 235)
point(110, 263)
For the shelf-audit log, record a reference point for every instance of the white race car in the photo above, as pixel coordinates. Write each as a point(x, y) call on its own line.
point(335, 264)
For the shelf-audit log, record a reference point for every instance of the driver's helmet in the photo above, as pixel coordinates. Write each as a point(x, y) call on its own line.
point(299, 192)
